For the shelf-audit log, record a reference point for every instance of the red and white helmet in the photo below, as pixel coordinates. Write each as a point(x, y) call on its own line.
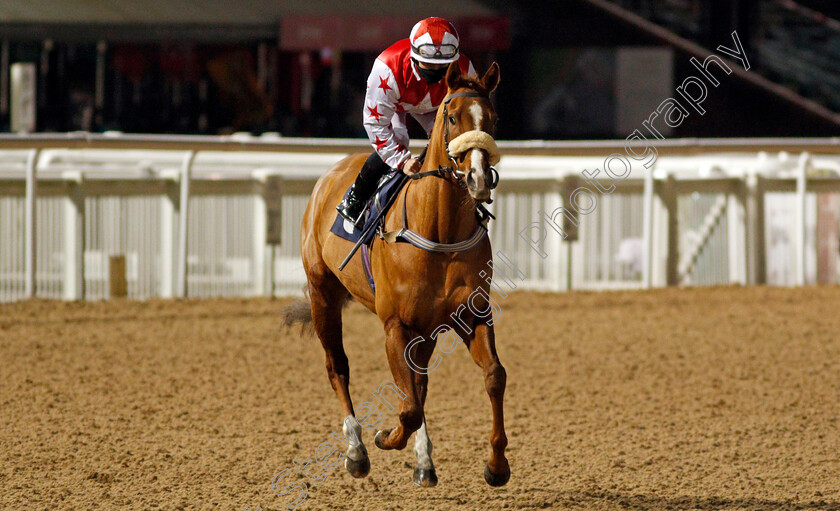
point(435, 41)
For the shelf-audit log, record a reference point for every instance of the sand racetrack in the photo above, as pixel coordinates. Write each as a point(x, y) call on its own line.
point(711, 399)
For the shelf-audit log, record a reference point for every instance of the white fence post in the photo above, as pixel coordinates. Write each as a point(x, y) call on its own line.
point(606, 241)
point(260, 228)
point(558, 260)
point(169, 213)
point(647, 229)
point(30, 222)
point(74, 241)
point(672, 257)
point(800, 217)
point(737, 236)
point(183, 224)
point(659, 236)
point(756, 249)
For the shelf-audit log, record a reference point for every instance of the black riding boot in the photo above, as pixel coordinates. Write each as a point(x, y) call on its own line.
point(352, 207)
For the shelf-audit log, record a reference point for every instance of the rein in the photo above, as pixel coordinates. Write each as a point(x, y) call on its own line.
point(482, 214)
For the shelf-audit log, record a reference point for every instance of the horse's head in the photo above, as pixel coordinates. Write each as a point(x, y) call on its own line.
point(469, 125)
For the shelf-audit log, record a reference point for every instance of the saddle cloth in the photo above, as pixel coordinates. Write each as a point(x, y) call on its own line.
point(389, 185)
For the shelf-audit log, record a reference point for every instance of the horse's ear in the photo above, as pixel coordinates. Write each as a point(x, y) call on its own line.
point(453, 75)
point(490, 80)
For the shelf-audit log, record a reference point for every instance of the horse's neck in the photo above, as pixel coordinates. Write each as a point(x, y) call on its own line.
point(439, 209)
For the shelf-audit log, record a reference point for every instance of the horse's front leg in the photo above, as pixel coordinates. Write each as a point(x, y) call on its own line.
point(483, 350)
point(411, 409)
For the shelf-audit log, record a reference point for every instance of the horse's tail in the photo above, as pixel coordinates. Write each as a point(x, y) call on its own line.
point(297, 312)
point(300, 312)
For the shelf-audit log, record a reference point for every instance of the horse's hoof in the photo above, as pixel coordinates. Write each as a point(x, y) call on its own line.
point(425, 478)
point(379, 439)
point(496, 479)
point(358, 469)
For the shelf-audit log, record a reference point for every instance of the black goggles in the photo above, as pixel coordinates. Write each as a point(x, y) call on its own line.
point(436, 51)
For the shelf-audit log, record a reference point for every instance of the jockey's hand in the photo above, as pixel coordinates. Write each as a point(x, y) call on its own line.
point(411, 166)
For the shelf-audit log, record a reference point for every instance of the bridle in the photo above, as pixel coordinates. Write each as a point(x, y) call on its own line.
point(482, 214)
point(458, 176)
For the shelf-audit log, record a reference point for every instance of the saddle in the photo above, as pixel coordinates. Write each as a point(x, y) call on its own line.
point(374, 220)
point(388, 186)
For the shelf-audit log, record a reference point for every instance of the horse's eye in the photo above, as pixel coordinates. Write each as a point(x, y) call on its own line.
point(452, 119)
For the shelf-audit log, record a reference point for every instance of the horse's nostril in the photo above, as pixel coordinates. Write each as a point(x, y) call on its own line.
point(471, 182)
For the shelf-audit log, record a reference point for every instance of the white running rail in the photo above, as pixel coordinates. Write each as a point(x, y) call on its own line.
point(711, 211)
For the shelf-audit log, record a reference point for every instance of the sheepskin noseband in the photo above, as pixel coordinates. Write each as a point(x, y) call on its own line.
point(475, 139)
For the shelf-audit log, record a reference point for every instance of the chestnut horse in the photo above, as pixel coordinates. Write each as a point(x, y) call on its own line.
point(416, 289)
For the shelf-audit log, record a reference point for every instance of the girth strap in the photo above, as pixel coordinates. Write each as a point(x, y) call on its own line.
point(419, 241)
point(407, 235)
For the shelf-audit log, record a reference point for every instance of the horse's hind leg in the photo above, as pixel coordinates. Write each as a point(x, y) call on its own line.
point(483, 350)
point(327, 296)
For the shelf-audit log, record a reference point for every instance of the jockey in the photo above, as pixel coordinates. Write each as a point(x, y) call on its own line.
point(407, 78)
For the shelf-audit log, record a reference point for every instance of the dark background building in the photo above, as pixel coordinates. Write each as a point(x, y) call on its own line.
point(570, 69)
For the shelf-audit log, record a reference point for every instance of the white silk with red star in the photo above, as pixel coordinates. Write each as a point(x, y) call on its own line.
point(384, 115)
